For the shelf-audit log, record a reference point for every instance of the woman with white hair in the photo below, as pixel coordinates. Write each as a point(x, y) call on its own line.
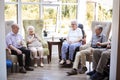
point(73, 41)
point(35, 45)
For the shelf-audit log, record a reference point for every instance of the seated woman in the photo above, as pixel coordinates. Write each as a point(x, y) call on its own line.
point(34, 44)
point(73, 40)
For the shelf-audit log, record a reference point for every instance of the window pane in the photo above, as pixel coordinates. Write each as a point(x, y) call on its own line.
point(30, 0)
point(68, 13)
point(50, 0)
point(50, 19)
point(90, 13)
point(30, 12)
point(69, 1)
point(10, 0)
point(11, 12)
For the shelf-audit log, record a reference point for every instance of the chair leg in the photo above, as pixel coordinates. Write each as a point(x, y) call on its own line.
point(89, 66)
point(48, 59)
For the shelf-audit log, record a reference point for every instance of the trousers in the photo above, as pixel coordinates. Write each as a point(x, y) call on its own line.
point(66, 47)
point(100, 59)
point(20, 57)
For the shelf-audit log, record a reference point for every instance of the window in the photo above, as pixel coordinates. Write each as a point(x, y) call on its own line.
point(30, 0)
point(10, 0)
point(69, 1)
point(11, 12)
point(30, 12)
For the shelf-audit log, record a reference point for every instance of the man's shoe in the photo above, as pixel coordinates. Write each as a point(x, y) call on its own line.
point(29, 69)
point(22, 70)
point(83, 70)
point(72, 72)
point(96, 76)
point(91, 73)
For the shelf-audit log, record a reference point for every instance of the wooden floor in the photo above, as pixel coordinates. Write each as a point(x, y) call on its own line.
point(50, 71)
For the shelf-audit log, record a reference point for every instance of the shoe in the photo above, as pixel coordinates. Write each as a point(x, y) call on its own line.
point(91, 73)
point(35, 65)
point(83, 70)
point(41, 64)
point(29, 69)
point(72, 72)
point(62, 62)
point(97, 76)
point(22, 70)
point(68, 62)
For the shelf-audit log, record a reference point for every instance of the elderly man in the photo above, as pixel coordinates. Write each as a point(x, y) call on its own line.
point(73, 40)
point(14, 42)
point(100, 60)
point(87, 50)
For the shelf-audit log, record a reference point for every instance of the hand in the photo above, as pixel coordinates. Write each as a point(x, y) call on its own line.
point(70, 42)
point(108, 47)
point(98, 44)
point(21, 42)
point(19, 51)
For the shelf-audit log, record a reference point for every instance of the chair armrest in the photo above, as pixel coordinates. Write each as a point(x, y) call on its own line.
point(8, 53)
point(44, 44)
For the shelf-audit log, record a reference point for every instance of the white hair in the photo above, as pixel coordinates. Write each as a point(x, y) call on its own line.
point(31, 27)
point(99, 27)
point(14, 25)
point(74, 21)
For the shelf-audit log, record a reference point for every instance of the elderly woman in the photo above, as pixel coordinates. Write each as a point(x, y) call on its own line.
point(34, 44)
point(73, 40)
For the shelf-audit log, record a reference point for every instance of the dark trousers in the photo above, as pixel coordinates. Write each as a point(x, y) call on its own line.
point(20, 57)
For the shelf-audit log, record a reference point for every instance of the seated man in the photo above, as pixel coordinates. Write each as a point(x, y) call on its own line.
point(73, 40)
point(87, 50)
point(14, 42)
point(100, 60)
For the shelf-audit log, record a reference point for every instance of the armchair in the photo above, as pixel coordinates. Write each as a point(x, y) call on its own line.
point(38, 24)
point(106, 31)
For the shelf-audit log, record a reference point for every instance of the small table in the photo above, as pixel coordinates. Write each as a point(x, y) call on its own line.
point(50, 43)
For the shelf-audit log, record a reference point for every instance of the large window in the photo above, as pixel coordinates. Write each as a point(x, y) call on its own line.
point(56, 14)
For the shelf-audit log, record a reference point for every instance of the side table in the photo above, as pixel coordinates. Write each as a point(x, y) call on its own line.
point(50, 43)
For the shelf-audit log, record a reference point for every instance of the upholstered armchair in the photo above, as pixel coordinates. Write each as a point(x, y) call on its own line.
point(106, 31)
point(38, 24)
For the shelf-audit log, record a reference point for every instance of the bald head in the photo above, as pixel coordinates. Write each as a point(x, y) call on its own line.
point(15, 28)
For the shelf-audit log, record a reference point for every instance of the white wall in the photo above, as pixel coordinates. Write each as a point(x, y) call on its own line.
point(2, 43)
point(114, 69)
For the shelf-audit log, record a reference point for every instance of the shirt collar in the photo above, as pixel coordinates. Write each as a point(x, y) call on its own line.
point(99, 35)
point(13, 33)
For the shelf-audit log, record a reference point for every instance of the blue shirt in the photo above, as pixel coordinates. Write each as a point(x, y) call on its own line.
point(14, 40)
point(97, 38)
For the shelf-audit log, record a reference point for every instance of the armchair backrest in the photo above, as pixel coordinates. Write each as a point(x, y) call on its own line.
point(106, 27)
point(8, 26)
point(38, 24)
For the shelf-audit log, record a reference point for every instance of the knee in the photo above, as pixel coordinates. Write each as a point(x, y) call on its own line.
point(40, 49)
point(34, 51)
point(72, 47)
point(105, 55)
point(78, 54)
point(65, 45)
